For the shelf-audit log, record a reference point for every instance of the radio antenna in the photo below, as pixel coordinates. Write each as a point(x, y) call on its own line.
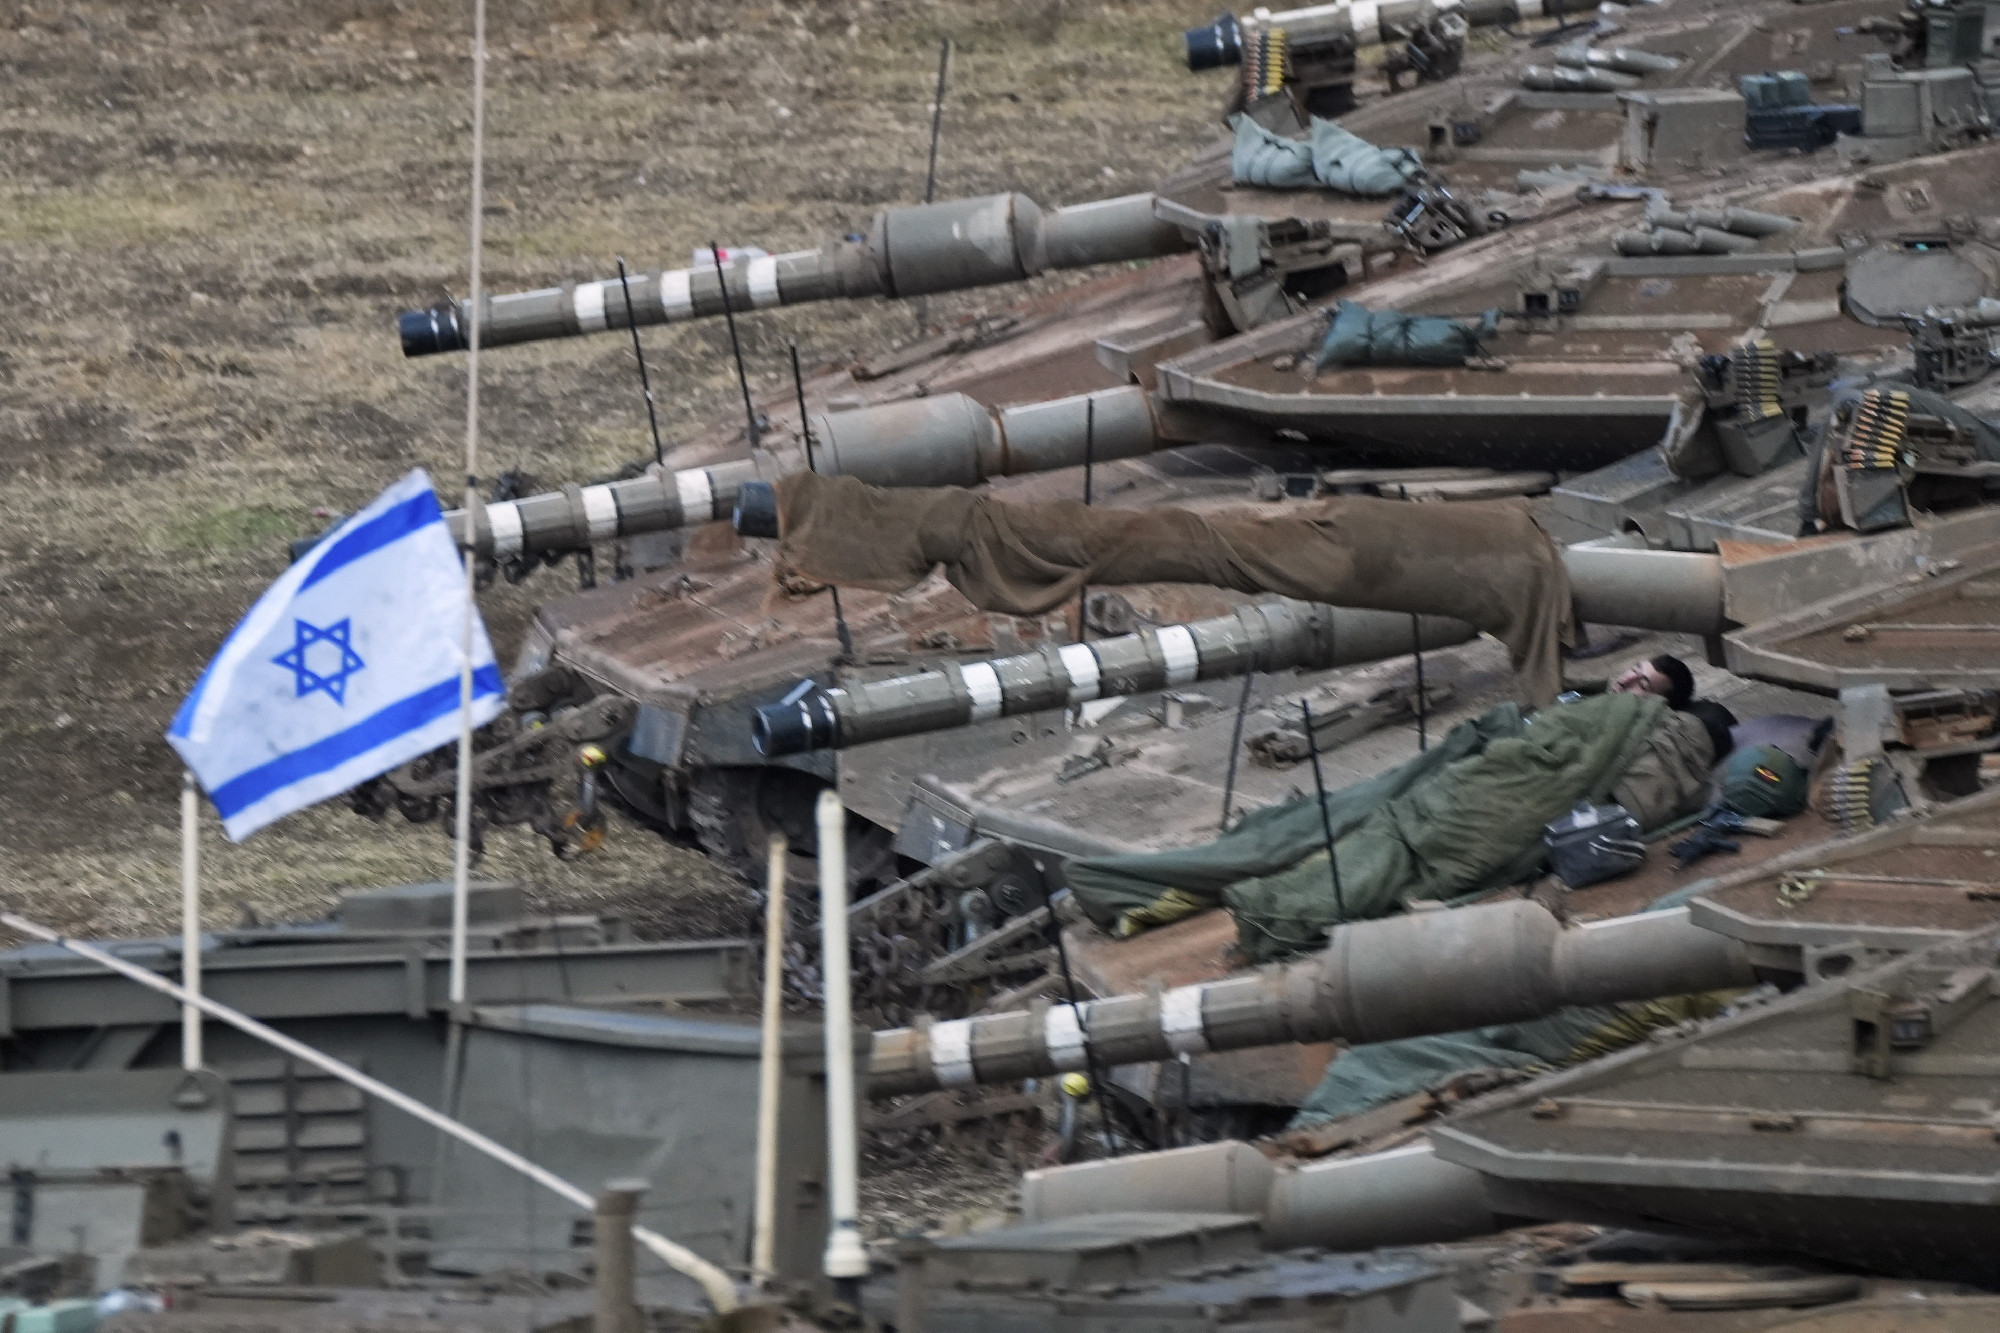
point(645, 384)
point(805, 433)
point(735, 346)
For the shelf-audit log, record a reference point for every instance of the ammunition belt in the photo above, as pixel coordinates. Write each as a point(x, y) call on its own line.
point(1266, 65)
point(1875, 435)
point(1754, 372)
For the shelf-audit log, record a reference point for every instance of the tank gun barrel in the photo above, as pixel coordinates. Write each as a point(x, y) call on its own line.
point(1981, 314)
point(1273, 635)
point(1666, 590)
point(575, 517)
point(910, 251)
point(1401, 976)
point(946, 440)
point(1221, 42)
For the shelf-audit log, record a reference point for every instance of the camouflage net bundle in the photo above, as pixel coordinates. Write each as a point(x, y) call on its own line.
point(1484, 563)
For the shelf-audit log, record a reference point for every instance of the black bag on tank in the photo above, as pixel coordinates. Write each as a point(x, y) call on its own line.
point(1593, 843)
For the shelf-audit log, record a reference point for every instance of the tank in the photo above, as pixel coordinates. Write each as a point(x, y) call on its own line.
point(1738, 375)
point(1678, 310)
point(1263, 257)
point(1809, 1148)
point(1822, 1144)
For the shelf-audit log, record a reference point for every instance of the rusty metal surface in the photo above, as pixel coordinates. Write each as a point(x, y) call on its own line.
point(1944, 633)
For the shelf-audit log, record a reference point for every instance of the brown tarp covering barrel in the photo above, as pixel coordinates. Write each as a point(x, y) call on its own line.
point(1484, 563)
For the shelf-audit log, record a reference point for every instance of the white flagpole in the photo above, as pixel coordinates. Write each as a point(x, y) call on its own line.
point(770, 1070)
point(190, 921)
point(462, 842)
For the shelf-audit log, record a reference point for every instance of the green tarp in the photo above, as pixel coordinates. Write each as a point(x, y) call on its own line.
point(1368, 1076)
point(1267, 160)
point(1332, 157)
point(1463, 818)
point(1350, 164)
point(1359, 336)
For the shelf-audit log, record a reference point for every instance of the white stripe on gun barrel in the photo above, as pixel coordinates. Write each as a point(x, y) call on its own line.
point(697, 495)
point(763, 282)
point(1180, 1021)
point(676, 294)
point(1081, 664)
point(1177, 647)
point(504, 520)
point(588, 302)
point(982, 682)
point(600, 510)
point(1062, 1034)
point(951, 1053)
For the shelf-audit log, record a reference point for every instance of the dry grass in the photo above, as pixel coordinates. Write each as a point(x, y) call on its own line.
point(209, 214)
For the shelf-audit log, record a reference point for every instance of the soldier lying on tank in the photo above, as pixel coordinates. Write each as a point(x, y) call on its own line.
point(1468, 816)
point(1665, 675)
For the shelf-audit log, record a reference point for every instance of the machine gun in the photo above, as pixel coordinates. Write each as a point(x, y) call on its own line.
point(1889, 452)
point(1307, 57)
point(1954, 346)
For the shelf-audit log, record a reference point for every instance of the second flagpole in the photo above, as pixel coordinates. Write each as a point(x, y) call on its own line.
point(461, 859)
point(461, 868)
point(191, 1056)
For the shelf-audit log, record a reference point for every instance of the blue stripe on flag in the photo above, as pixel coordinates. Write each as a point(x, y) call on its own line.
point(405, 715)
point(418, 511)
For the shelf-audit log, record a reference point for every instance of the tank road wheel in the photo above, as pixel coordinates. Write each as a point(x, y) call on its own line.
point(735, 811)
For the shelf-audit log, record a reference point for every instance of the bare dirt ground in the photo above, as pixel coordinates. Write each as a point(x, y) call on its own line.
point(209, 216)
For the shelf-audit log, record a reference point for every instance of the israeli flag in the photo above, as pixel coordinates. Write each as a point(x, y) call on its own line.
point(347, 667)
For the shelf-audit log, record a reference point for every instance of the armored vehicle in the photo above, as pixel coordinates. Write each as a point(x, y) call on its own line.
point(1599, 364)
point(1810, 1148)
point(1654, 390)
point(1820, 1147)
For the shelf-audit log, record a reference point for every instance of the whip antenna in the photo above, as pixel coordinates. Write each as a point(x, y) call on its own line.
point(645, 384)
point(735, 347)
point(805, 433)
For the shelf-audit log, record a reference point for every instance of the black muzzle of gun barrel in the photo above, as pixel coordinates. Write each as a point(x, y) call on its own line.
point(1215, 44)
point(756, 512)
point(428, 332)
point(803, 720)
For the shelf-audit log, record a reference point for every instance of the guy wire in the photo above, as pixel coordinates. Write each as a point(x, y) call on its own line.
point(1423, 702)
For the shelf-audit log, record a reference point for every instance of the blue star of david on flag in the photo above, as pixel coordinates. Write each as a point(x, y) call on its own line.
point(373, 618)
point(295, 659)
